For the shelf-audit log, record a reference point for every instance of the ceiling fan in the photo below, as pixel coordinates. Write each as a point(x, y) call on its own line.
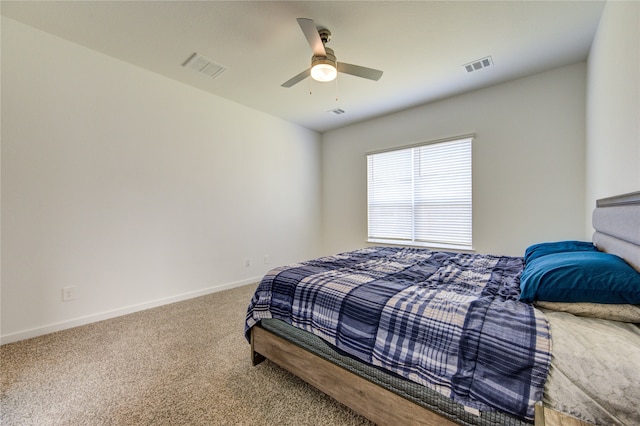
point(324, 66)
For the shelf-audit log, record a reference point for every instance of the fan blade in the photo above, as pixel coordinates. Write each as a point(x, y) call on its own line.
point(297, 79)
point(359, 71)
point(310, 31)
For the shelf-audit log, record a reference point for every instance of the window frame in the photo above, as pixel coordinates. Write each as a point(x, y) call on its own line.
point(451, 243)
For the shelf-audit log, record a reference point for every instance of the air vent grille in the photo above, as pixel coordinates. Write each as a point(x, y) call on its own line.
point(337, 111)
point(204, 65)
point(479, 64)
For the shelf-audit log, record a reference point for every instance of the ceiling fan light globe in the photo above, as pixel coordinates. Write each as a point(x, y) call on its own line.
point(324, 72)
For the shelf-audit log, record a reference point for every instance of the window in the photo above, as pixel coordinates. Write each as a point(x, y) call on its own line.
point(421, 195)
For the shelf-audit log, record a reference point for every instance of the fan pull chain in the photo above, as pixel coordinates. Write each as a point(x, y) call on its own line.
point(336, 88)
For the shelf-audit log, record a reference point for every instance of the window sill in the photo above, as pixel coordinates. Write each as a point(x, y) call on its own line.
point(433, 246)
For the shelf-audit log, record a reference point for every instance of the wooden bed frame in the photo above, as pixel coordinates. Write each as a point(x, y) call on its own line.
point(377, 403)
point(374, 402)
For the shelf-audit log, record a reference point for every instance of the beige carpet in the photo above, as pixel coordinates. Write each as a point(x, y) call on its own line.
point(181, 364)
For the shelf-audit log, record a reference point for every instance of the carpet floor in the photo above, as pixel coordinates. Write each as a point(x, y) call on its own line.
point(186, 363)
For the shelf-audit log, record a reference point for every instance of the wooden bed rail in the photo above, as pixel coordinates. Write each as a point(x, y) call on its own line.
point(366, 398)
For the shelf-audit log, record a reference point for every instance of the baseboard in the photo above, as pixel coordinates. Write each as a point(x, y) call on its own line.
point(76, 322)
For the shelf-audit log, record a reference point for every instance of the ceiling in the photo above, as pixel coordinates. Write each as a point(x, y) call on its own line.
point(420, 45)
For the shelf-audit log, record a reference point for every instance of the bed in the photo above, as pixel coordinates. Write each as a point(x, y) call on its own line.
point(415, 336)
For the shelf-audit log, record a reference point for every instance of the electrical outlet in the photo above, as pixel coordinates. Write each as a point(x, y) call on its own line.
point(68, 293)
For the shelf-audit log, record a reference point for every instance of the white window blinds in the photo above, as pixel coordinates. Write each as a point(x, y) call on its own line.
point(421, 195)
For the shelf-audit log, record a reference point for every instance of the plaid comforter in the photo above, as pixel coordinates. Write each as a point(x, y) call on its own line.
point(449, 321)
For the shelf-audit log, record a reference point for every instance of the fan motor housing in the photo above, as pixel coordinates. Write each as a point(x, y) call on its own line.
point(329, 59)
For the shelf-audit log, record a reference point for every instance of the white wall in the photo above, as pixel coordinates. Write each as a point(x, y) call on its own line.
point(136, 189)
point(613, 105)
point(528, 161)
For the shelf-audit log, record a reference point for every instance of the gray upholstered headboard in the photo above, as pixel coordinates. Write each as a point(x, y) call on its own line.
point(617, 224)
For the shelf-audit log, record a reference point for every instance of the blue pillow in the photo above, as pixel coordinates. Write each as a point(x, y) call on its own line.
point(537, 250)
point(580, 276)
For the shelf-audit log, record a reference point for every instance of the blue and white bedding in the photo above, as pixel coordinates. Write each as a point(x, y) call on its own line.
point(449, 321)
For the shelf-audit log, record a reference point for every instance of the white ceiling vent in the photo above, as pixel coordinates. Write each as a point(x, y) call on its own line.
point(479, 64)
point(204, 65)
point(337, 111)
